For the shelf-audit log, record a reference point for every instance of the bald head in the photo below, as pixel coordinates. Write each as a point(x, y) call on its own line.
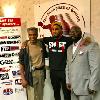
point(75, 33)
point(76, 29)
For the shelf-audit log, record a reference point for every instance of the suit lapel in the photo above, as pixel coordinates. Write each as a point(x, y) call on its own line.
point(75, 53)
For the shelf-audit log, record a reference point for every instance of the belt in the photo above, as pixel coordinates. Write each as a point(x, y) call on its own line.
point(40, 68)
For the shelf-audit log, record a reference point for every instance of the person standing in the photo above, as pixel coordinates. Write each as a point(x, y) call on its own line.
point(31, 59)
point(83, 66)
point(57, 53)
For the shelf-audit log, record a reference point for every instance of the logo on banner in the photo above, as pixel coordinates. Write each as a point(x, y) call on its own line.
point(4, 76)
point(63, 8)
point(7, 82)
point(10, 22)
point(10, 42)
point(4, 69)
point(18, 81)
point(65, 13)
point(8, 91)
point(10, 37)
point(3, 37)
point(16, 73)
point(14, 37)
point(9, 48)
point(6, 55)
point(2, 62)
point(19, 90)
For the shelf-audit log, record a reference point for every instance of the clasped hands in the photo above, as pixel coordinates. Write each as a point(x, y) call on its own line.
point(90, 91)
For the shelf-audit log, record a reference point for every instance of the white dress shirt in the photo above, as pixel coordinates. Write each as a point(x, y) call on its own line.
point(75, 45)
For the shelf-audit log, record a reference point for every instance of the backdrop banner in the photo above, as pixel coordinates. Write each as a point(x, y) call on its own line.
point(10, 81)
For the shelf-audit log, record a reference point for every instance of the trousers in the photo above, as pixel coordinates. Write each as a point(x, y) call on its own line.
point(58, 80)
point(36, 92)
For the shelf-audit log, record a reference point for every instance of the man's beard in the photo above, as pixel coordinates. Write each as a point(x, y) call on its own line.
point(76, 39)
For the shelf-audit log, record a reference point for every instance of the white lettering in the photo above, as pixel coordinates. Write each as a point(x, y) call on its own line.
point(62, 44)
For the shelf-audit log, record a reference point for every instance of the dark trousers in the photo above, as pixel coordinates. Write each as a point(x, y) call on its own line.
point(58, 80)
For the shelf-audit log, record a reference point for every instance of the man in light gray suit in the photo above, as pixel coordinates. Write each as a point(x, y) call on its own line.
point(83, 68)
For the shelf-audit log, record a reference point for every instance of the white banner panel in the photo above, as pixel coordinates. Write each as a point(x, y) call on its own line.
point(78, 10)
point(10, 81)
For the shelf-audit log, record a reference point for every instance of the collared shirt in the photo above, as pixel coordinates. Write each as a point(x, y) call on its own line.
point(36, 55)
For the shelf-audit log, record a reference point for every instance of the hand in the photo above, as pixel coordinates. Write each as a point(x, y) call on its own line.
point(68, 86)
point(92, 91)
point(24, 44)
point(24, 83)
point(40, 24)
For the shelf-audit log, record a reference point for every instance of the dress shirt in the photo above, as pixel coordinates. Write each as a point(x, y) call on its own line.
point(75, 45)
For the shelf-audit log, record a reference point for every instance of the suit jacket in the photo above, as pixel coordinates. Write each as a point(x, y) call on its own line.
point(83, 68)
point(24, 59)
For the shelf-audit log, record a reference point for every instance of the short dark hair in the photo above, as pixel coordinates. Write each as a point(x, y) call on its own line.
point(77, 29)
point(34, 29)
